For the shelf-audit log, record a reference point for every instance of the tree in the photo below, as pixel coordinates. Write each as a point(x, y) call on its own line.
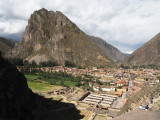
point(122, 66)
point(33, 63)
point(26, 63)
point(62, 83)
point(69, 64)
point(78, 83)
point(98, 82)
point(119, 87)
point(158, 77)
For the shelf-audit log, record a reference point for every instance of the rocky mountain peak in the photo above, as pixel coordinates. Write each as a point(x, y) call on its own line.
point(52, 36)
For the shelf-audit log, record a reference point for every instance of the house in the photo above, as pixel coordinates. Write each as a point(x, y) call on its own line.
point(107, 88)
point(124, 89)
point(156, 81)
point(118, 93)
point(90, 84)
point(121, 83)
point(96, 87)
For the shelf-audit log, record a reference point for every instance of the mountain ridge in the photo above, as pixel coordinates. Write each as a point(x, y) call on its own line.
point(108, 49)
point(149, 53)
point(6, 45)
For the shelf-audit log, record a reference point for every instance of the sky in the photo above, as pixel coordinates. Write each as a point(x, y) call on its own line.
point(125, 24)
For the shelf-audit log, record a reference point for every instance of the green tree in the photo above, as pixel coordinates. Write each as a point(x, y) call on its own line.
point(69, 64)
point(33, 63)
point(98, 82)
point(62, 83)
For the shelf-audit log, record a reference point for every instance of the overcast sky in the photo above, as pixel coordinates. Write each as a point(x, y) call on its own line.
point(126, 24)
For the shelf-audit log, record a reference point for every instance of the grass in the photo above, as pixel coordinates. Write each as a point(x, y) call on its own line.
point(39, 86)
point(35, 78)
point(32, 76)
point(70, 84)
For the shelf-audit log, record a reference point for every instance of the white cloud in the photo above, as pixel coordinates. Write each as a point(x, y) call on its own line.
point(126, 24)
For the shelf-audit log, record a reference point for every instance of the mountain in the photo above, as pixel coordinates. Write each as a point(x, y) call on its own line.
point(52, 36)
point(109, 50)
point(149, 53)
point(18, 102)
point(127, 54)
point(6, 45)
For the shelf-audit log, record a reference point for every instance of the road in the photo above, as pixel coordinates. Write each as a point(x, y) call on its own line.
point(129, 86)
point(119, 102)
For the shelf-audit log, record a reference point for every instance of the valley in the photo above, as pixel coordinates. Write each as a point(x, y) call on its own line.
point(57, 71)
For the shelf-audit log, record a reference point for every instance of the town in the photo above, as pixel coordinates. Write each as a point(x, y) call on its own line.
point(107, 89)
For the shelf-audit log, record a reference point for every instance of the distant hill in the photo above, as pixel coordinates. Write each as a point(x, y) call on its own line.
point(6, 45)
point(52, 36)
point(149, 53)
point(109, 50)
point(127, 54)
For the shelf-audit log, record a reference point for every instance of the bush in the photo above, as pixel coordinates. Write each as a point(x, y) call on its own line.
point(69, 64)
point(48, 63)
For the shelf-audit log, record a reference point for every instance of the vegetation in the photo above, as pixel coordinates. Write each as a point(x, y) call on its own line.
point(150, 66)
point(69, 64)
point(39, 86)
point(98, 82)
point(125, 66)
point(48, 64)
point(120, 87)
point(56, 78)
point(108, 84)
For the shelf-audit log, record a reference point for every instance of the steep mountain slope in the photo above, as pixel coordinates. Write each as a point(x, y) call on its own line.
point(139, 115)
point(6, 45)
point(52, 36)
point(149, 53)
point(18, 102)
point(109, 50)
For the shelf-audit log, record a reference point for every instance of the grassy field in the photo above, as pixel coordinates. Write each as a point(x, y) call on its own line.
point(32, 76)
point(39, 86)
point(35, 78)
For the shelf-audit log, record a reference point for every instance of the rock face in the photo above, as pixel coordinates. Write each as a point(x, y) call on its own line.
point(6, 45)
point(149, 53)
point(52, 36)
point(14, 93)
point(18, 102)
point(109, 50)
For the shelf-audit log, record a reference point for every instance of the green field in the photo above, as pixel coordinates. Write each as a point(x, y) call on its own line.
point(32, 76)
point(39, 86)
point(33, 79)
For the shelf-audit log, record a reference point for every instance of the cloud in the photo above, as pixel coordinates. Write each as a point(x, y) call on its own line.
point(126, 24)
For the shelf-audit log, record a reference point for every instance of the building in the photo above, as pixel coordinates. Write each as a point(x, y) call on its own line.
point(96, 87)
point(107, 88)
